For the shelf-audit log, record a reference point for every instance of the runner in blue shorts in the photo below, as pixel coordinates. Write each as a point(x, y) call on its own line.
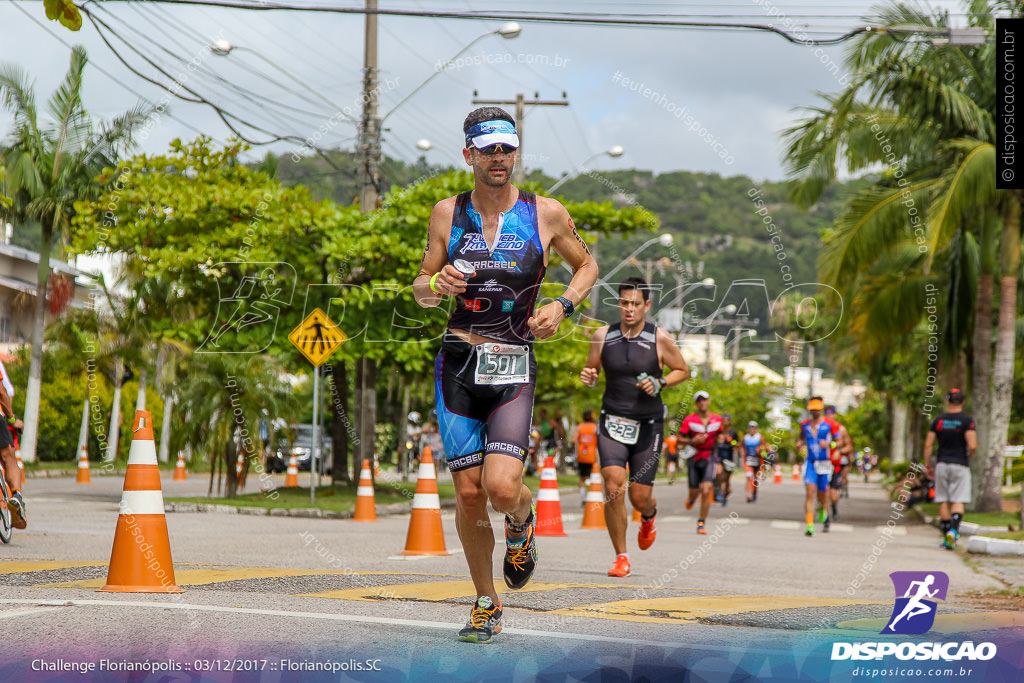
point(488, 249)
point(815, 441)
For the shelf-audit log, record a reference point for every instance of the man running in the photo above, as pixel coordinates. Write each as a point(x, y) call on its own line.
point(700, 430)
point(12, 472)
point(724, 458)
point(584, 439)
point(815, 440)
point(632, 353)
point(753, 457)
point(671, 451)
point(839, 455)
point(957, 439)
point(488, 249)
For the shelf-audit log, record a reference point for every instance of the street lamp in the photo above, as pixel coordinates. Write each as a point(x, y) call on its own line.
point(223, 48)
point(507, 30)
point(424, 145)
point(616, 151)
point(728, 310)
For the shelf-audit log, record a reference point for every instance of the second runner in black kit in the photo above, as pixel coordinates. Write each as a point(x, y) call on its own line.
point(632, 353)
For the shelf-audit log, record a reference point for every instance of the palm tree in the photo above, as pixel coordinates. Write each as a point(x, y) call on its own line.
point(929, 116)
point(51, 165)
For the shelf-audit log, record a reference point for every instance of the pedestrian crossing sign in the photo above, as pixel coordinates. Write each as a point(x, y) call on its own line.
point(317, 337)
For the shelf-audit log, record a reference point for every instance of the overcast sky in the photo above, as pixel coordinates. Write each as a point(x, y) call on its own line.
point(736, 89)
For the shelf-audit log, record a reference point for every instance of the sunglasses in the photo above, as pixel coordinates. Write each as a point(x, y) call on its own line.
point(493, 150)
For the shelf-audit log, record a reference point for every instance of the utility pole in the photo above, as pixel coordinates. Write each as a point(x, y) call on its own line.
point(369, 179)
point(519, 172)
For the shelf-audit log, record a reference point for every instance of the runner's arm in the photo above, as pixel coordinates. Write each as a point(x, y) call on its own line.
point(929, 445)
point(671, 358)
point(971, 437)
point(592, 370)
point(435, 260)
point(568, 244)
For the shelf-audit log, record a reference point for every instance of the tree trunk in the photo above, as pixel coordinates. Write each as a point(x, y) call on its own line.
point(340, 423)
point(114, 433)
point(981, 373)
point(165, 430)
point(140, 401)
point(230, 462)
point(35, 371)
point(1002, 365)
point(403, 431)
point(898, 441)
point(366, 379)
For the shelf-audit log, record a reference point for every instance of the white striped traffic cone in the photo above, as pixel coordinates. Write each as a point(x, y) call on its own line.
point(593, 511)
point(292, 477)
point(83, 467)
point(140, 561)
point(366, 510)
point(426, 536)
point(549, 508)
point(179, 469)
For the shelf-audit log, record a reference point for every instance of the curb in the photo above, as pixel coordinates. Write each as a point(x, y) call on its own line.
point(96, 471)
point(984, 545)
point(389, 510)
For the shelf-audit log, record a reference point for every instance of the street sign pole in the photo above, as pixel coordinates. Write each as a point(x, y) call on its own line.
point(313, 466)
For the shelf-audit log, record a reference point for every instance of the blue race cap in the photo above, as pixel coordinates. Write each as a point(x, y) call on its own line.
point(487, 133)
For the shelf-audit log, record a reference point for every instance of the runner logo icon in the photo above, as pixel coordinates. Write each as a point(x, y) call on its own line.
point(914, 612)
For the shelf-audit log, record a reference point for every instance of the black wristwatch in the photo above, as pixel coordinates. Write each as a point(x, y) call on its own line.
point(567, 306)
point(663, 382)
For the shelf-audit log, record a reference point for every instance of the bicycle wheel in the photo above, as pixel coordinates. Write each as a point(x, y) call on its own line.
point(5, 512)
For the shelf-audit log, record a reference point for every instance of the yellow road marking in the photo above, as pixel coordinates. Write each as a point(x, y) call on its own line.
point(948, 623)
point(436, 591)
point(200, 577)
point(680, 609)
point(22, 566)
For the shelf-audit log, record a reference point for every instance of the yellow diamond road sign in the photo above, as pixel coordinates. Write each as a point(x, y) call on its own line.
point(317, 337)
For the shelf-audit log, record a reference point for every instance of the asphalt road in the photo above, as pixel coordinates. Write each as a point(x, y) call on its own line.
point(269, 598)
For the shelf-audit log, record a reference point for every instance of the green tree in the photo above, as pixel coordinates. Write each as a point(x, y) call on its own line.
point(49, 167)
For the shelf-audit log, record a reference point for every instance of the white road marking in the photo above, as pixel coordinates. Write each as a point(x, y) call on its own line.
point(409, 623)
point(8, 614)
point(784, 524)
point(453, 551)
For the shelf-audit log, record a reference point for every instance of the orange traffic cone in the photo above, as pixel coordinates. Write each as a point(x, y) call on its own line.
point(593, 511)
point(292, 477)
point(83, 467)
point(179, 469)
point(796, 472)
point(425, 537)
point(778, 473)
point(140, 561)
point(239, 467)
point(366, 510)
point(549, 508)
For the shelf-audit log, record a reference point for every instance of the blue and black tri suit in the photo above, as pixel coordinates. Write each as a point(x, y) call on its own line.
point(477, 418)
point(816, 454)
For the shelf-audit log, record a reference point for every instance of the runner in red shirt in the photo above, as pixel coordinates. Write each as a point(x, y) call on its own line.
point(700, 431)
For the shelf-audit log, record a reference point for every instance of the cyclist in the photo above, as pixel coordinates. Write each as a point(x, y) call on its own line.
point(753, 457)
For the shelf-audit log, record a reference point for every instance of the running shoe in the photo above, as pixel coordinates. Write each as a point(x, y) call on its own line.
point(484, 622)
point(835, 514)
point(645, 539)
point(810, 530)
point(521, 557)
point(620, 568)
point(828, 525)
point(700, 528)
point(725, 501)
point(750, 499)
point(950, 542)
point(17, 508)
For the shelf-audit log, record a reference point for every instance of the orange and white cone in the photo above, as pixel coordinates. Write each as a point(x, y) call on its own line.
point(292, 476)
point(179, 469)
point(83, 467)
point(593, 510)
point(140, 560)
point(796, 472)
point(778, 473)
point(549, 507)
point(425, 537)
point(366, 510)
